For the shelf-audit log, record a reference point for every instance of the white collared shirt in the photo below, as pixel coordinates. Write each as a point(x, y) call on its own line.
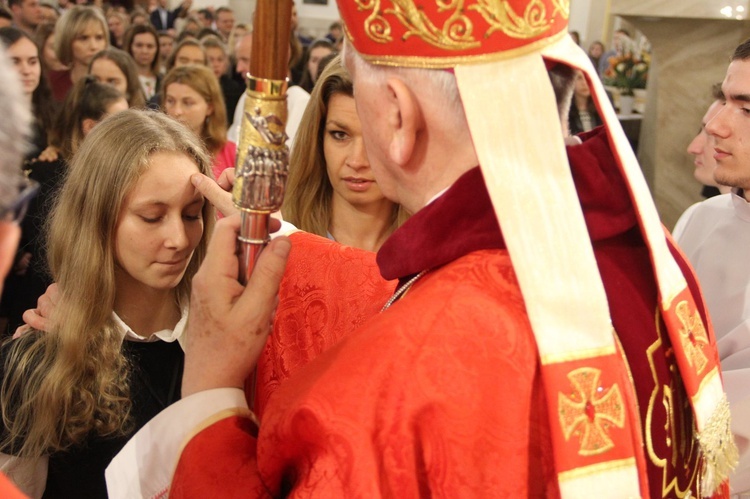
point(168, 335)
point(30, 475)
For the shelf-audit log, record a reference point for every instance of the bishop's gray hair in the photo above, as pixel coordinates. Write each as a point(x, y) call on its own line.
point(432, 83)
point(15, 127)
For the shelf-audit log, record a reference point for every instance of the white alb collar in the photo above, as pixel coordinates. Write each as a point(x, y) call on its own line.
point(168, 335)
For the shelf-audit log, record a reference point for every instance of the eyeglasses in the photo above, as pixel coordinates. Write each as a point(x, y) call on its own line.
point(16, 210)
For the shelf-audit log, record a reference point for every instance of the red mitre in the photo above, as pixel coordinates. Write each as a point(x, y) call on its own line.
point(439, 34)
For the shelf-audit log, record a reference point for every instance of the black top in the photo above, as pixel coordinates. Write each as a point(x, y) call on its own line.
point(155, 379)
point(26, 283)
point(575, 124)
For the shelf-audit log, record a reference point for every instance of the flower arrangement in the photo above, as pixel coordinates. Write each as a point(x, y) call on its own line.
point(628, 71)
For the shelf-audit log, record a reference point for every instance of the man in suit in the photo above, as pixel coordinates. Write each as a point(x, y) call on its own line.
point(163, 19)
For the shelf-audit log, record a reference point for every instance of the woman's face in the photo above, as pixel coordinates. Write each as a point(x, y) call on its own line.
point(106, 71)
point(87, 43)
point(166, 45)
point(144, 49)
point(188, 106)
point(581, 87)
point(344, 150)
point(596, 50)
point(217, 60)
point(116, 27)
point(190, 54)
point(25, 57)
point(316, 55)
point(159, 225)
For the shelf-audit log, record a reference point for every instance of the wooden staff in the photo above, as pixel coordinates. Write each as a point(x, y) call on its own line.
point(262, 156)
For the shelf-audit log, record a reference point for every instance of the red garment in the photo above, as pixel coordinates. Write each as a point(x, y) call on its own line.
point(442, 394)
point(328, 291)
point(224, 159)
point(60, 83)
point(8, 490)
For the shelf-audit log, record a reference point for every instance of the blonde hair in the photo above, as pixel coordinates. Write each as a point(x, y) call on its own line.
point(71, 24)
point(71, 383)
point(202, 80)
point(307, 203)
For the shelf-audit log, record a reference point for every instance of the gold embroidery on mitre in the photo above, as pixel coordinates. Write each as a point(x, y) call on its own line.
point(501, 17)
point(590, 411)
point(692, 336)
point(376, 27)
point(456, 33)
point(561, 6)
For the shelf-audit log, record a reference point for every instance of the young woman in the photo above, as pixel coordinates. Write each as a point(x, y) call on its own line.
point(73, 396)
point(87, 104)
point(582, 115)
point(188, 51)
point(116, 68)
point(118, 23)
point(331, 190)
point(166, 47)
point(218, 61)
point(317, 51)
point(142, 43)
point(80, 33)
point(24, 53)
point(191, 94)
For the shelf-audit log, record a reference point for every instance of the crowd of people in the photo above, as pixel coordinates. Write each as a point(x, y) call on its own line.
point(457, 307)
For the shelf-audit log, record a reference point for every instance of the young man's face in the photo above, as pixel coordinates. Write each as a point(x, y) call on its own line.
point(702, 148)
point(730, 129)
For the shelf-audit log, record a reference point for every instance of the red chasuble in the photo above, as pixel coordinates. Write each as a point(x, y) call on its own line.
point(8, 490)
point(442, 394)
point(328, 291)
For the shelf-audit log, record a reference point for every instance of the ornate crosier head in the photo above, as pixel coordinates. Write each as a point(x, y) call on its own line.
point(444, 33)
point(263, 158)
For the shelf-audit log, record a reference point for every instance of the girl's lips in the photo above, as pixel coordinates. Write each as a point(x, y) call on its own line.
point(357, 184)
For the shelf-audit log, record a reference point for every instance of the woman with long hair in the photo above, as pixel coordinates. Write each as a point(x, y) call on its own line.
point(27, 61)
point(191, 94)
point(142, 43)
point(218, 61)
point(116, 68)
point(87, 104)
point(118, 23)
point(45, 40)
point(315, 52)
point(80, 33)
point(582, 115)
point(331, 190)
point(73, 396)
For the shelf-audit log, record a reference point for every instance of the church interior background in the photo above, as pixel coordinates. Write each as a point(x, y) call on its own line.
point(690, 42)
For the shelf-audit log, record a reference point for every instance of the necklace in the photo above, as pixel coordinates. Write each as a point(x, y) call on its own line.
point(403, 289)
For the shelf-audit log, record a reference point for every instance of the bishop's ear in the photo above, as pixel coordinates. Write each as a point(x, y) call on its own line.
point(404, 118)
